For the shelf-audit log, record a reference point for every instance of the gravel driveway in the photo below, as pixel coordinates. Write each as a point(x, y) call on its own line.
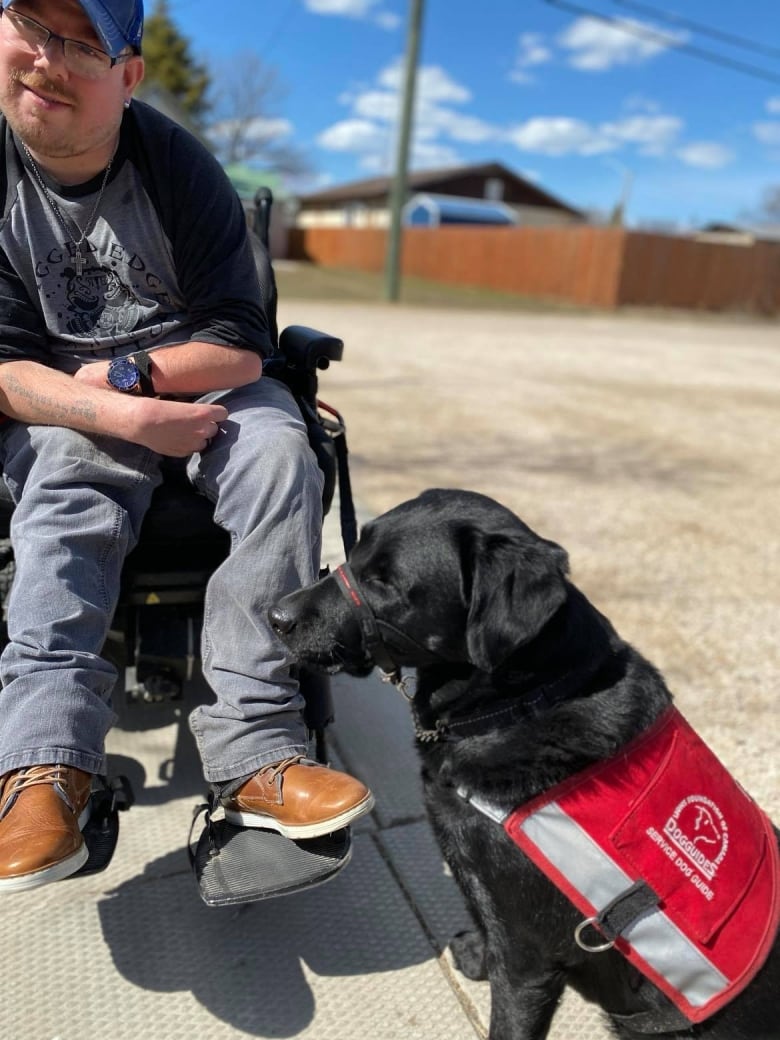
point(648, 447)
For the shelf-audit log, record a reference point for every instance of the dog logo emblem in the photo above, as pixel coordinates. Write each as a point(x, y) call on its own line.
point(700, 832)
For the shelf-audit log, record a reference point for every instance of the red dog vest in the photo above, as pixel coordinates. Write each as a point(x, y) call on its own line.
point(667, 813)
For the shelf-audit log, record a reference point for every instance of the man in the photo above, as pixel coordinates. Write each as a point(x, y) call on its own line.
point(131, 330)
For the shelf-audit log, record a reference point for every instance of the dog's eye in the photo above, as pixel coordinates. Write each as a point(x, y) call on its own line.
point(375, 581)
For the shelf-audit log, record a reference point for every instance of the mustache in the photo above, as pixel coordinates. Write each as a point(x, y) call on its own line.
point(42, 85)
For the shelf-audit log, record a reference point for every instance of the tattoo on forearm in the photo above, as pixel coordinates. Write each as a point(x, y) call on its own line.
point(48, 408)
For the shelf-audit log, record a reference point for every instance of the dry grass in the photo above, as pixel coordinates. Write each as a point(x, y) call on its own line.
point(310, 282)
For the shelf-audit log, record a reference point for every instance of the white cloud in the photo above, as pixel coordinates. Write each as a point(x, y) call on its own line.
point(558, 135)
point(345, 8)
point(562, 135)
point(430, 155)
point(376, 104)
point(438, 125)
point(354, 135)
point(767, 133)
point(531, 51)
point(652, 134)
point(434, 92)
point(441, 126)
point(773, 105)
point(458, 126)
point(433, 84)
point(359, 9)
point(387, 20)
point(706, 154)
point(422, 156)
point(596, 46)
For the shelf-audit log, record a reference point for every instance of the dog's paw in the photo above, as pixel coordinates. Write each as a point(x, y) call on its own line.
point(469, 955)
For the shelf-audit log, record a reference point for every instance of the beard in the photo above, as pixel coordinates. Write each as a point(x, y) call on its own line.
point(76, 133)
point(40, 134)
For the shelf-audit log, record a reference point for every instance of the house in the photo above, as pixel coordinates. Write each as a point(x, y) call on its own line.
point(737, 234)
point(366, 203)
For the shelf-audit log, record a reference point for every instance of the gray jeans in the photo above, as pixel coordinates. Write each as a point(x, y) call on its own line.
point(80, 502)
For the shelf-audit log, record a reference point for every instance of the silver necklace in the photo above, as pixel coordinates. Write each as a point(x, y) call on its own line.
point(78, 259)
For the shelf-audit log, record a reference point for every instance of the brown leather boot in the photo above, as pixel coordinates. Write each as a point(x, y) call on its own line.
point(299, 799)
point(42, 810)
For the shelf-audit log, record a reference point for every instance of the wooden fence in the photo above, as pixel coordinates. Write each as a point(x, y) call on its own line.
point(589, 266)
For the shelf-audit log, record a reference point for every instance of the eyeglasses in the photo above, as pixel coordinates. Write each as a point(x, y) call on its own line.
point(80, 58)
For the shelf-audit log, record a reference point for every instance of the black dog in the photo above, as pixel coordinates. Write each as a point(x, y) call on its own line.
point(521, 684)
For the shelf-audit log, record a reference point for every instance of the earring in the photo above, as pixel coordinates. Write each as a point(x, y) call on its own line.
point(127, 103)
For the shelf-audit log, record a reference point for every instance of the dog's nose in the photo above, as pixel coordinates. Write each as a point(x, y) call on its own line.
point(281, 622)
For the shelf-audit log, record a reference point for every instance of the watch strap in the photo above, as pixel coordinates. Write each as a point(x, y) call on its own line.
point(143, 362)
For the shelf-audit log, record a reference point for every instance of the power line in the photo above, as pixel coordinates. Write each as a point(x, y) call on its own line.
point(700, 27)
point(668, 40)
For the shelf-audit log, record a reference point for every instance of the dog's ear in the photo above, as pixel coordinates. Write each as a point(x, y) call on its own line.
point(516, 587)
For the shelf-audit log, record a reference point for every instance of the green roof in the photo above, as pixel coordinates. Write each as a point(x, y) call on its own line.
point(247, 179)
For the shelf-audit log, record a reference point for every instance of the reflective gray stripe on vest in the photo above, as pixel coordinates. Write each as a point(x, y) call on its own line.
point(590, 870)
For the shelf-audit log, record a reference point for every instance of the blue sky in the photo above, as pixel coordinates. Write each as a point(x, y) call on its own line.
point(586, 110)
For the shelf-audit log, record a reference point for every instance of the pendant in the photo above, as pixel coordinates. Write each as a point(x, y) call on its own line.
point(80, 262)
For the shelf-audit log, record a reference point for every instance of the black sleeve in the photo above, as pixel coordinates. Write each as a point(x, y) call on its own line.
point(22, 335)
point(205, 222)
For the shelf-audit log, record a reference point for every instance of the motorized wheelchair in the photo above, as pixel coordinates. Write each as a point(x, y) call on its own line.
point(155, 633)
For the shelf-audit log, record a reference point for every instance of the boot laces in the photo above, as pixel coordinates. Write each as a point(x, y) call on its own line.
point(277, 769)
point(30, 776)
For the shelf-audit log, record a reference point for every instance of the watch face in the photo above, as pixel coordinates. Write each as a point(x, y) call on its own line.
point(123, 374)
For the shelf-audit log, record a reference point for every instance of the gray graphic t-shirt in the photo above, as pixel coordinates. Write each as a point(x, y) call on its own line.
point(166, 258)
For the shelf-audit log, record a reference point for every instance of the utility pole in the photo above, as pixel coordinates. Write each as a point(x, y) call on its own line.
point(398, 187)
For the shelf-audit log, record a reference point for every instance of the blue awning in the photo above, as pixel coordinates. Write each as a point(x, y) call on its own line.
point(433, 210)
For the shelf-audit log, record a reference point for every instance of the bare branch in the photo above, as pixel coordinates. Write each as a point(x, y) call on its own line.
point(246, 94)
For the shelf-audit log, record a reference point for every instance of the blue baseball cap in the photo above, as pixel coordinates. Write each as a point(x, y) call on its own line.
point(118, 23)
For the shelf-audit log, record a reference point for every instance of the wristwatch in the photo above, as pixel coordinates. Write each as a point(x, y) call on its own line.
point(131, 374)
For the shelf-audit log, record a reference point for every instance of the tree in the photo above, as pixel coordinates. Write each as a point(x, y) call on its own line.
point(170, 68)
point(244, 98)
point(240, 96)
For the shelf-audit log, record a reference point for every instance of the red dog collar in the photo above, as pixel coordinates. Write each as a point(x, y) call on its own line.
point(664, 834)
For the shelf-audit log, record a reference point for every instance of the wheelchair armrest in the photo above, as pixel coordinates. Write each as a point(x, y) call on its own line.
point(308, 349)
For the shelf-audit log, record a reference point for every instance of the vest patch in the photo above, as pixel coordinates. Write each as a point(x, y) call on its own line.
point(665, 812)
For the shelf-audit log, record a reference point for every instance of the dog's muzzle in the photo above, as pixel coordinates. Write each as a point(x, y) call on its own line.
point(371, 630)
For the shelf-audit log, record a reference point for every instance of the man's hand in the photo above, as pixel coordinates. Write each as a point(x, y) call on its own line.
point(35, 394)
point(176, 428)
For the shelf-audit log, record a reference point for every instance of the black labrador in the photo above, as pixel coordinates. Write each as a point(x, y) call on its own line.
point(521, 683)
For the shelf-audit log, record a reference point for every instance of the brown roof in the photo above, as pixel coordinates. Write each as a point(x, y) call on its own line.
point(467, 181)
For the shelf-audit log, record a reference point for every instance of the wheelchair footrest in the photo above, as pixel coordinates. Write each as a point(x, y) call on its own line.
point(101, 831)
point(244, 864)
